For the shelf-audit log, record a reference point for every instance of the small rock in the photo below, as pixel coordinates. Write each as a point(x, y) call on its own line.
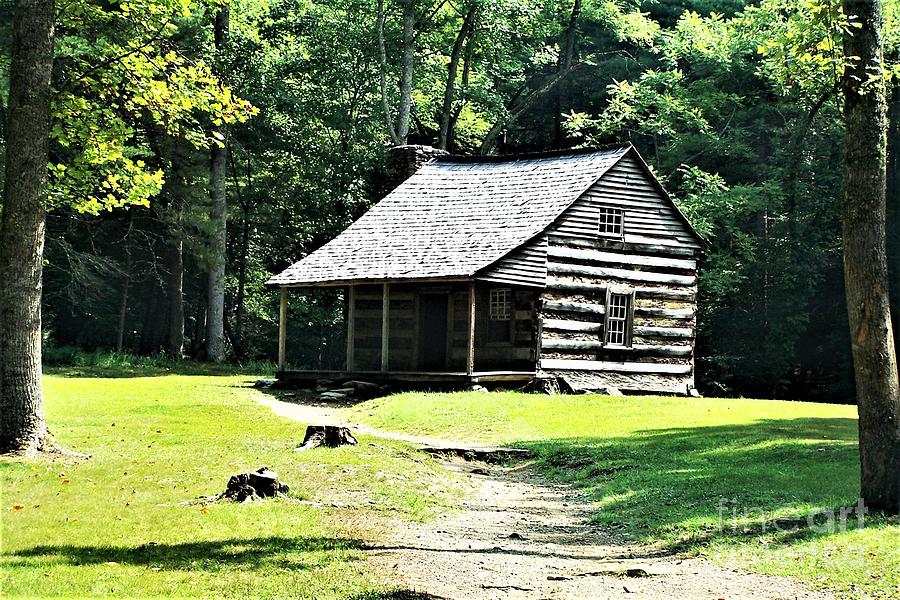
point(516, 536)
point(636, 573)
point(347, 391)
point(367, 386)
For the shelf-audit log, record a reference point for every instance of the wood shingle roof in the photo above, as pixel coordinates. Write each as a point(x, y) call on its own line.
point(453, 218)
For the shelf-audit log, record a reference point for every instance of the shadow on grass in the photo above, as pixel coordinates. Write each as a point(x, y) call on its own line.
point(118, 371)
point(263, 552)
point(692, 486)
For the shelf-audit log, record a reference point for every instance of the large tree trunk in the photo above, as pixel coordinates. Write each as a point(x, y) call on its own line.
point(407, 61)
point(452, 68)
point(22, 425)
point(215, 301)
point(382, 69)
point(893, 206)
point(865, 262)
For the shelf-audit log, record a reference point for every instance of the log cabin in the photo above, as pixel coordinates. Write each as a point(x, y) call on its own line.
point(575, 267)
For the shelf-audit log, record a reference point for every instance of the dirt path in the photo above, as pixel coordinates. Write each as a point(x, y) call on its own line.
point(518, 536)
point(318, 413)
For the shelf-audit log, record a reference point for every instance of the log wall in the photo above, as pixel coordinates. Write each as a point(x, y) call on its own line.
point(656, 258)
point(519, 353)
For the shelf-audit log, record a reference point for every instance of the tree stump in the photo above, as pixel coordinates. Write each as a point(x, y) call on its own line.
point(330, 436)
point(256, 485)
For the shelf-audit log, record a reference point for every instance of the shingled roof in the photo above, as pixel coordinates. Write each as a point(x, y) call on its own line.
point(453, 218)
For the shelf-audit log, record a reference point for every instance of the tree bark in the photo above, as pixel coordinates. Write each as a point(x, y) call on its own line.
point(215, 322)
point(522, 106)
point(408, 59)
point(452, 68)
point(893, 206)
point(126, 285)
point(382, 66)
point(865, 261)
point(175, 290)
point(566, 58)
point(22, 425)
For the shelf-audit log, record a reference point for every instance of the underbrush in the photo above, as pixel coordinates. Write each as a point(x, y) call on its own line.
point(74, 362)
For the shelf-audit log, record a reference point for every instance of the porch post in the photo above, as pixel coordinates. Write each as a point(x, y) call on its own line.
point(282, 329)
point(385, 324)
point(351, 325)
point(470, 358)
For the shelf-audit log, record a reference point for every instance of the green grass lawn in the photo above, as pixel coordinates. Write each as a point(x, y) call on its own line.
point(668, 471)
point(114, 525)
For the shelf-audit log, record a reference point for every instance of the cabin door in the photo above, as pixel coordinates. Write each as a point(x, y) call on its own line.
point(433, 331)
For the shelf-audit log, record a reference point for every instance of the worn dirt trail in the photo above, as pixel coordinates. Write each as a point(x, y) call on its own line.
point(518, 536)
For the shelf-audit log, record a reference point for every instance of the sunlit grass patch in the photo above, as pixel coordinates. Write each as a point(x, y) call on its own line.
point(704, 475)
point(118, 525)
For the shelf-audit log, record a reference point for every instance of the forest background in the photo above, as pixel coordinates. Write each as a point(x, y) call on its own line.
point(289, 106)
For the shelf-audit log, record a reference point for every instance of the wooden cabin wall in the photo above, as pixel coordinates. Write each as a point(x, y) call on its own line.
point(367, 328)
point(403, 331)
point(519, 353)
point(402, 328)
point(657, 258)
point(526, 266)
point(459, 328)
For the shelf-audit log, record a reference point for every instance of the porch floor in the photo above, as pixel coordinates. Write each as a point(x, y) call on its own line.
point(412, 376)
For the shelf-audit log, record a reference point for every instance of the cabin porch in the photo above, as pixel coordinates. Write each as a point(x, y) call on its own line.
point(429, 331)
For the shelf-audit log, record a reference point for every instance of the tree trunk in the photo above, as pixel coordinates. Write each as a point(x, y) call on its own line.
point(865, 262)
point(893, 206)
point(523, 105)
point(382, 67)
point(406, 74)
point(175, 290)
point(452, 67)
point(215, 302)
point(566, 58)
point(242, 284)
point(22, 425)
point(126, 285)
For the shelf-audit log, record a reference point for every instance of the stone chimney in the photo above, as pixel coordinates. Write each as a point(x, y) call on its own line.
point(404, 161)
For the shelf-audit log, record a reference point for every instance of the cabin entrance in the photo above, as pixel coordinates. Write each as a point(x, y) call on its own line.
point(433, 311)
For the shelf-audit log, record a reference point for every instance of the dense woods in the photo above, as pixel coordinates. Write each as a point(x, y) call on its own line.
point(201, 147)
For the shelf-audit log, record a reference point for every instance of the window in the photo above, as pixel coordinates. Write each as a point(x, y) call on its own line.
point(500, 304)
point(611, 221)
point(618, 318)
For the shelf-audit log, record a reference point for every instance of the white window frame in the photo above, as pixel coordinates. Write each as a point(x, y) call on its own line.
point(500, 304)
point(617, 313)
point(611, 217)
